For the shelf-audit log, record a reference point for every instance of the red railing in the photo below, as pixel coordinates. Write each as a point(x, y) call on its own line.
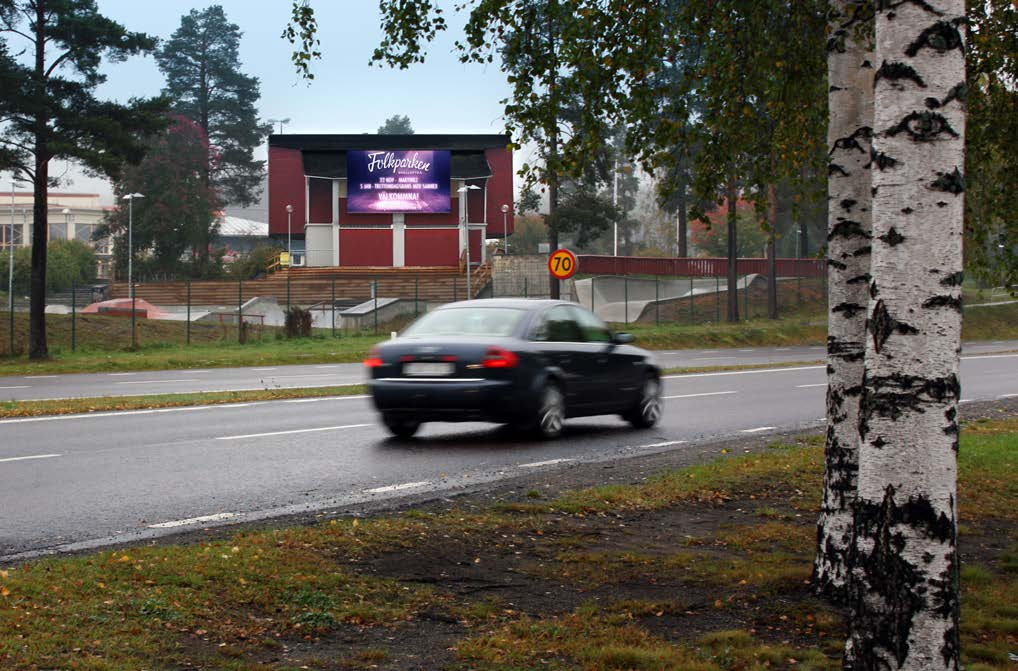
point(590, 264)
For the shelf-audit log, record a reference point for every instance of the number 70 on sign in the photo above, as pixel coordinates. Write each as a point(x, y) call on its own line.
point(562, 264)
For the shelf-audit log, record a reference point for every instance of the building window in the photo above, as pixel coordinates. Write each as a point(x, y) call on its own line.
point(57, 231)
point(83, 232)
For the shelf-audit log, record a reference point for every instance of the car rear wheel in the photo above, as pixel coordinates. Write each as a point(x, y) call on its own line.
point(648, 411)
point(551, 414)
point(401, 428)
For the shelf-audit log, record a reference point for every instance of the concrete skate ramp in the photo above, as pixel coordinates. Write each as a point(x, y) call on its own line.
point(610, 293)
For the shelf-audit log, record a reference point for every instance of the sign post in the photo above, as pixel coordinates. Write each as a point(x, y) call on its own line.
point(562, 264)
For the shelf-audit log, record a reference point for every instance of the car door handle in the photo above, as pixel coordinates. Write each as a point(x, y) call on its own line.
point(602, 360)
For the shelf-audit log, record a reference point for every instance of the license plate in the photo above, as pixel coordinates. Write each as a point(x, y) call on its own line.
point(421, 369)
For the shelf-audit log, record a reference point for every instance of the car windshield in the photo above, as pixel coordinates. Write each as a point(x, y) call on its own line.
point(466, 321)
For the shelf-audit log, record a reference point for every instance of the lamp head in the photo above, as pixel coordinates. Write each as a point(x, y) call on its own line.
point(505, 208)
point(289, 209)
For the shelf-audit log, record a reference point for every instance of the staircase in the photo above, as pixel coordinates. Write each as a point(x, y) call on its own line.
point(309, 286)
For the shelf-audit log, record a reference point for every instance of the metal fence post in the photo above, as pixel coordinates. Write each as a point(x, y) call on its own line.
point(74, 315)
point(717, 299)
point(455, 288)
point(134, 301)
point(374, 294)
point(525, 294)
point(333, 307)
point(690, 300)
point(417, 294)
point(188, 312)
point(657, 300)
point(240, 309)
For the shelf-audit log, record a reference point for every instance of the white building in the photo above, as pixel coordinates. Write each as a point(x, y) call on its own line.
point(71, 216)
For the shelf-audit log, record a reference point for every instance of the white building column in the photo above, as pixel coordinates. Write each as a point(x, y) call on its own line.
point(399, 240)
point(335, 222)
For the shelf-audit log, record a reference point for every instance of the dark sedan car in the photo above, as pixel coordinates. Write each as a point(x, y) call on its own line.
point(529, 363)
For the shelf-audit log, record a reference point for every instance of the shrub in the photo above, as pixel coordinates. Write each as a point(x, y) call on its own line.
point(298, 322)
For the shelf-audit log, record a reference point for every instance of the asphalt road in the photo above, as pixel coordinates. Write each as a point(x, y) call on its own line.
point(35, 387)
point(82, 481)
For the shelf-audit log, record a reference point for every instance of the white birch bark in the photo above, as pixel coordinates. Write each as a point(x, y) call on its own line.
point(905, 568)
point(849, 231)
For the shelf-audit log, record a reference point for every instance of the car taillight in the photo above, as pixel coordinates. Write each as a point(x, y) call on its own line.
point(374, 360)
point(496, 357)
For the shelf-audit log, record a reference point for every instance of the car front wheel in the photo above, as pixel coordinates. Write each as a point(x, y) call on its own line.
point(648, 411)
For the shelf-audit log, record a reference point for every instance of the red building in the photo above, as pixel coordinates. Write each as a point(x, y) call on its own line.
point(373, 220)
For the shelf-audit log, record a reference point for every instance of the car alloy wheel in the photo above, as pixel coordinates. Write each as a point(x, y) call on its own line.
point(648, 412)
point(402, 428)
point(552, 413)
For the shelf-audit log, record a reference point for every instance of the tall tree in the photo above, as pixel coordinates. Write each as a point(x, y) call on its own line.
point(51, 52)
point(201, 63)
point(178, 216)
point(396, 125)
point(905, 572)
point(850, 75)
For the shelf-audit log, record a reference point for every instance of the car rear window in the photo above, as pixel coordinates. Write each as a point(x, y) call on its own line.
point(466, 321)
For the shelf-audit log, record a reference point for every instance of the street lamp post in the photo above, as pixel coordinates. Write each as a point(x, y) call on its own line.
point(505, 228)
point(10, 271)
point(280, 122)
point(289, 250)
point(615, 204)
point(463, 190)
point(130, 261)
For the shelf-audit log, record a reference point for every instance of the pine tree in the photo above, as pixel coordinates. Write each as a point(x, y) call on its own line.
point(201, 63)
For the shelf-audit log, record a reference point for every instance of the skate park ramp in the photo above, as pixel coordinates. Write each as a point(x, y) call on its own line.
point(616, 299)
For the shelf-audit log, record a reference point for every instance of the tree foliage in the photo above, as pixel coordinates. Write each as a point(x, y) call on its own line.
point(68, 262)
point(177, 217)
point(396, 125)
point(51, 53)
point(709, 236)
point(201, 63)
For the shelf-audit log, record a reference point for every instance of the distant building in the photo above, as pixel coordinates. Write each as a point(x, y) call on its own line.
point(71, 216)
point(389, 200)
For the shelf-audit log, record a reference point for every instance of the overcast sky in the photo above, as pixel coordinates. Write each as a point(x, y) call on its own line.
point(346, 96)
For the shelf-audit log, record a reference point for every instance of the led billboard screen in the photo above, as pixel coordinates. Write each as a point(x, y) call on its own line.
point(380, 181)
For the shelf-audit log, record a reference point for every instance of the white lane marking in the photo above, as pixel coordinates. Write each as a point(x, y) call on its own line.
point(664, 444)
point(39, 377)
point(198, 371)
point(18, 386)
point(965, 400)
point(1008, 396)
point(550, 462)
point(261, 369)
point(192, 520)
point(758, 429)
point(283, 433)
point(34, 456)
point(286, 377)
point(782, 349)
point(744, 372)
point(746, 350)
point(157, 381)
point(709, 393)
point(120, 374)
point(806, 386)
point(816, 347)
point(712, 358)
point(320, 399)
point(990, 356)
point(396, 488)
point(329, 366)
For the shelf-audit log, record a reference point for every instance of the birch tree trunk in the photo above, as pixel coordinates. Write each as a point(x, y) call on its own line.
point(850, 96)
point(905, 574)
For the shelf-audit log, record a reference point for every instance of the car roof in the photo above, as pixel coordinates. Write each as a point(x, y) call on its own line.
point(529, 304)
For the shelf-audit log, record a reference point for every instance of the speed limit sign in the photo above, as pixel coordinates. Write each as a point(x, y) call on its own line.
point(562, 264)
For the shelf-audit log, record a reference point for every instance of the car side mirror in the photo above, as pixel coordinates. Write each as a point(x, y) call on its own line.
point(623, 338)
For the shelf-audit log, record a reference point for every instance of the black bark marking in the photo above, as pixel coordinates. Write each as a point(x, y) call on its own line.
point(892, 237)
point(863, 251)
point(835, 88)
point(873, 190)
point(846, 350)
point(944, 301)
point(852, 141)
point(833, 168)
point(848, 309)
point(942, 37)
point(923, 126)
point(891, 396)
point(941, 203)
point(836, 264)
point(896, 72)
point(907, 210)
point(881, 160)
point(859, 279)
point(847, 204)
point(879, 442)
point(890, 5)
point(848, 229)
point(951, 182)
point(882, 326)
point(958, 92)
point(873, 290)
point(866, 65)
point(953, 280)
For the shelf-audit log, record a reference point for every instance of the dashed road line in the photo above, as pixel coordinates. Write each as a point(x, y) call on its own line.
point(396, 488)
point(33, 456)
point(18, 386)
point(1008, 396)
point(39, 377)
point(262, 369)
point(157, 381)
point(120, 374)
point(743, 372)
point(284, 433)
point(550, 462)
point(193, 520)
point(708, 393)
point(806, 386)
point(664, 444)
point(758, 429)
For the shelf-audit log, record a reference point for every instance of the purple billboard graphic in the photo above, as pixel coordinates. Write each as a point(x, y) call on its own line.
point(397, 181)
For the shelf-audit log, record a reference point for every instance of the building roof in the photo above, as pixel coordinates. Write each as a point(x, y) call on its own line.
point(236, 227)
point(364, 141)
point(332, 164)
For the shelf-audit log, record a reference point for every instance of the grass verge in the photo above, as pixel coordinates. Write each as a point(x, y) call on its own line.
point(695, 569)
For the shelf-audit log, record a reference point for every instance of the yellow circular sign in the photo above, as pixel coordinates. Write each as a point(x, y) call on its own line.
point(562, 264)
